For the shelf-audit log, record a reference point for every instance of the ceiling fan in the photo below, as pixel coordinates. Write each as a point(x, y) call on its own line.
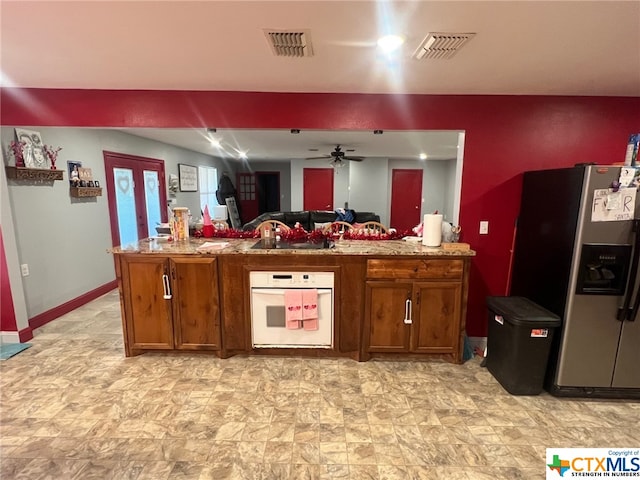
point(337, 156)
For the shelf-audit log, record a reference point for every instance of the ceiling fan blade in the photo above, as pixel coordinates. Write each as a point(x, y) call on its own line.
point(318, 158)
point(353, 159)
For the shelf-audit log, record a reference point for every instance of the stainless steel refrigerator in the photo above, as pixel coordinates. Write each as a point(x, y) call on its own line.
point(576, 254)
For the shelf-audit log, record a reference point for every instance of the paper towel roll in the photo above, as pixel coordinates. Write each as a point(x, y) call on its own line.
point(432, 230)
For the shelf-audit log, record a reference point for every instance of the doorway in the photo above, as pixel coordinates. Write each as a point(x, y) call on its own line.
point(406, 198)
point(137, 199)
point(268, 184)
point(317, 184)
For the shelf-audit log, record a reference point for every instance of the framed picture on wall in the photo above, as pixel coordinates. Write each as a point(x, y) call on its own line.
point(74, 173)
point(188, 176)
point(32, 148)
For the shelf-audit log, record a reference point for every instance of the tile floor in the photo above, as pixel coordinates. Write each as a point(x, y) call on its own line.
point(73, 407)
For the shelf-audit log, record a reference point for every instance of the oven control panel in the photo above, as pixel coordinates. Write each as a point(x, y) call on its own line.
point(291, 279)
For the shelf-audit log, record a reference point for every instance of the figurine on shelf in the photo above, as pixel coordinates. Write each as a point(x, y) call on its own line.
point(75, 177)
point(52, 155)
point(16, 149)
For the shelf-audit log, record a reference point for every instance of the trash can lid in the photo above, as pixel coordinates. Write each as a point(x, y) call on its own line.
point(522, 311)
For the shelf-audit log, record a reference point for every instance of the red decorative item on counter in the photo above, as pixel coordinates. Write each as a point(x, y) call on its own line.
point(207, 231)
point(299, 234)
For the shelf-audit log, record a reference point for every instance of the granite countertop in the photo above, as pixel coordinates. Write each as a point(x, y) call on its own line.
point(244, 246)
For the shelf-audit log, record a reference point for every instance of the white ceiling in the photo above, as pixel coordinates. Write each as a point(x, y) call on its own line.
point(283, 145)
point(520, 48)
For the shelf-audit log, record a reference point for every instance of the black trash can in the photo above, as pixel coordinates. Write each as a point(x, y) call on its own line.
point(518, 343)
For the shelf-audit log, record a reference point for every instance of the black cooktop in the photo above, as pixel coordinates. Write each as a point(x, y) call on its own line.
point(273, 245)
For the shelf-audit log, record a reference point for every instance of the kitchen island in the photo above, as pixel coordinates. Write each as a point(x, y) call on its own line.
point(391, 298)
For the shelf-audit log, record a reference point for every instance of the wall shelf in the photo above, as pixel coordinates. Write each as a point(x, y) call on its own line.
point(24, 173)
point(85, 191)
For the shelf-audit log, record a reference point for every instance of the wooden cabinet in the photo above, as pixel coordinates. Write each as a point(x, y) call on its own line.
point(148, 313)
point(436, 317)
point(384, 305)
point(170, 303)
point(414, 306)
point(196, 306)
point(386, 311)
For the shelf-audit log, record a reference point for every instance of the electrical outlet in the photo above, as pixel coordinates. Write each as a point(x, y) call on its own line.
point(24, 268)
point(484, 227)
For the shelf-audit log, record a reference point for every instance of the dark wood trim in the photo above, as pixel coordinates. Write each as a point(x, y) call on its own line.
point(24, 173)
point(85, 191)
point(55, 312)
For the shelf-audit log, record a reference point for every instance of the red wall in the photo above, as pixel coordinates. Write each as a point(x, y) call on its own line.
point(7, 312)
point(505, 136)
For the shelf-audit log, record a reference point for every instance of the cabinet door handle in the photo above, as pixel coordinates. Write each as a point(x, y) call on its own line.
point(166, 286)
point(407, 312)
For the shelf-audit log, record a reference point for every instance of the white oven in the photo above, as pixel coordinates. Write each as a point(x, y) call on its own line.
point(268, 319)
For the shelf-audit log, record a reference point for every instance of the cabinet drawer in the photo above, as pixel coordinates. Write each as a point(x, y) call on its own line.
point(407, 268)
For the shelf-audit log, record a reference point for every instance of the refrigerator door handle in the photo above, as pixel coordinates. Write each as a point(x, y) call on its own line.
point(632, 314)
point(624, 313)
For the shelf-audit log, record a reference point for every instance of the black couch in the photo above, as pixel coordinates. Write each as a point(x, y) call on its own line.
point(307, 218)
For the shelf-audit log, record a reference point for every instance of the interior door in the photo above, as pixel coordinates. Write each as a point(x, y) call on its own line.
point(247, 195)
point(317, 188)
point(406, 198)
point(268, 184)
point(136, 196)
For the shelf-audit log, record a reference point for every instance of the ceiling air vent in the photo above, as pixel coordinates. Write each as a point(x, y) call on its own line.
point(290, 43)
point(442, 45)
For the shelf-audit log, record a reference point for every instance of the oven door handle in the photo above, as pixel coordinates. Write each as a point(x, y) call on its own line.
point(280, 291)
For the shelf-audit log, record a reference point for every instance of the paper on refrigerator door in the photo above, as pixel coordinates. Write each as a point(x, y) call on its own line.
point(611, 206)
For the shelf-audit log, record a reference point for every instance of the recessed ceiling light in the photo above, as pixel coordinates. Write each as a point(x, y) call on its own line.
point(214, 142)
point(390, 43)
point(423, 156)
point(243, 155)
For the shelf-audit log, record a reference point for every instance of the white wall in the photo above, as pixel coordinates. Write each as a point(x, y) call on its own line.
point(366, 185)
point(369, 187)
point(64, 240)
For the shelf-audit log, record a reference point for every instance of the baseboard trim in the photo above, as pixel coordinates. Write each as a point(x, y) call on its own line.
point(25, 334)
point(52, 314)
point(10, 337)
